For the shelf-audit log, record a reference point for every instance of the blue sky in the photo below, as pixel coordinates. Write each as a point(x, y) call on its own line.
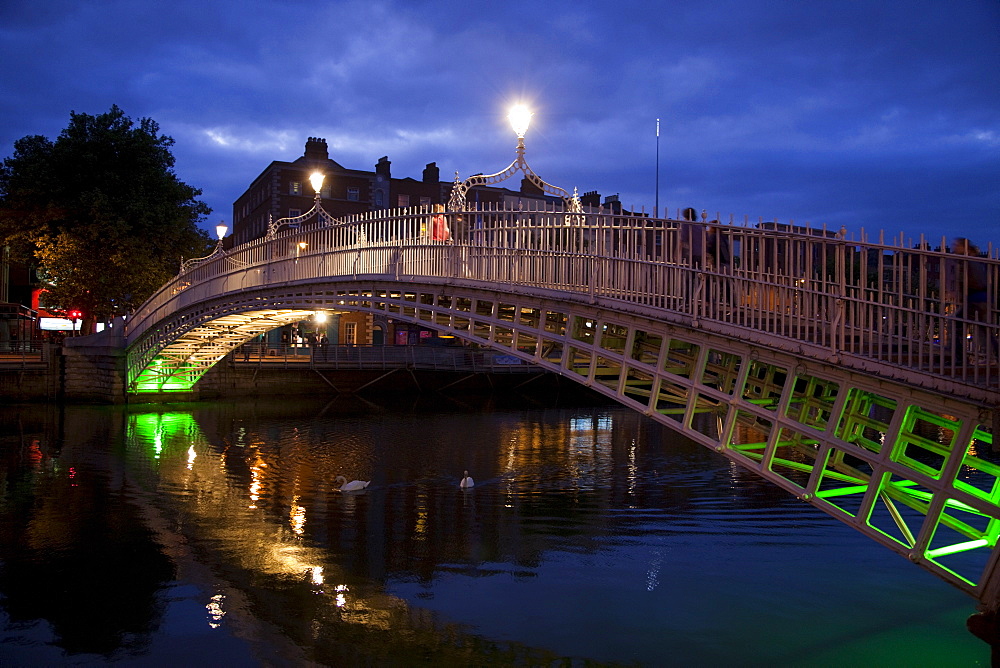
point(863, 114)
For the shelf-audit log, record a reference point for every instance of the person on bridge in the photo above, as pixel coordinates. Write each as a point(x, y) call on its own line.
point(969, 296)
point(439, 225)
point(692, 238)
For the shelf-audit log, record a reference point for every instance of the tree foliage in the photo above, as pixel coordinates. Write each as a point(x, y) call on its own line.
point(101, 212)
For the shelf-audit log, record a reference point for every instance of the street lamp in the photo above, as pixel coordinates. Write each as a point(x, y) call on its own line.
point(519, 117)
point(220, 231)
point(316, 179)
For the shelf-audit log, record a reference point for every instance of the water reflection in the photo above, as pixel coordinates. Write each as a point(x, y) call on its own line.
point(591, 534)
point(74, 550)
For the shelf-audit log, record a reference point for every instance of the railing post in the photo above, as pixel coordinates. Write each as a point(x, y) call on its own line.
point(592, 260)
point(836, 332)
point(697, 298)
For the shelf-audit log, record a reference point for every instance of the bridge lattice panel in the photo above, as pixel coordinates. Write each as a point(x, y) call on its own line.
point(785, 358)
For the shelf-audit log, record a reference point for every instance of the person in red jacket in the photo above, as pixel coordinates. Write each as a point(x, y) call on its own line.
point(439, 225)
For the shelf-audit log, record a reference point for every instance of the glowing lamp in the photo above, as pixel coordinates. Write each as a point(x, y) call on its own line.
point(221, 230)
point(316, 179)
point(519, 118)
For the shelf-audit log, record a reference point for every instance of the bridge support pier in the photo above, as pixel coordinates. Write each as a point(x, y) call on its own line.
point(986, 627)
point(95, 367)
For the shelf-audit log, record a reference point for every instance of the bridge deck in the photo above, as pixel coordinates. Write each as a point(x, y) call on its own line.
point(860, 376)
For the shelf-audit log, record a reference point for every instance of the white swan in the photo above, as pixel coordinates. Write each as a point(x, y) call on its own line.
point(467, 481)
point(353, 486)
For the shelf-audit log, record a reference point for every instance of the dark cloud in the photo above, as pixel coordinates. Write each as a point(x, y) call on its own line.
point(856, 114)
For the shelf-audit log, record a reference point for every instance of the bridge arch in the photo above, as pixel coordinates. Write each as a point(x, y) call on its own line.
point(835, 392)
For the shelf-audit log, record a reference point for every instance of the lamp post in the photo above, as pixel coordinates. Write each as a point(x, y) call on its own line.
point(220, 230)
point(519, 117)
point(316, 179)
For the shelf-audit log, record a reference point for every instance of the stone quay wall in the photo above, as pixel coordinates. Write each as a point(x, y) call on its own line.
point(92, 369)
point(31, 377)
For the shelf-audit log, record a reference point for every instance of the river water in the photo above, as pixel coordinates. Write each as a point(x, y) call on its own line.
point(213, 534)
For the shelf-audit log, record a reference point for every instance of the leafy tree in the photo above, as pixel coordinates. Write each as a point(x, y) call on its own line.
point(101, 212)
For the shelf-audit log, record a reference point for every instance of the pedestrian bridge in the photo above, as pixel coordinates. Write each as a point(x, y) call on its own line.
point(852, 373)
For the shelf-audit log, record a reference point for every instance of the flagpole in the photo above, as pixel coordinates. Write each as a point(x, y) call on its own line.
point(656, 207)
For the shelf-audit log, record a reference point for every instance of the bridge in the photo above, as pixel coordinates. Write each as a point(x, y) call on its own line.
point(842, 370)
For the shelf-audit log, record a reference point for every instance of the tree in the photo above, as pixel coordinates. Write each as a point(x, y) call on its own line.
point(101, 212)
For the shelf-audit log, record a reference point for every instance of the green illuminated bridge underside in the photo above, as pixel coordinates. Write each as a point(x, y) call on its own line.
point(864, 397)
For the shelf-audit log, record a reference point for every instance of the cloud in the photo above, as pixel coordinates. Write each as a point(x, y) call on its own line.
point(255, 143)
point(861, 113)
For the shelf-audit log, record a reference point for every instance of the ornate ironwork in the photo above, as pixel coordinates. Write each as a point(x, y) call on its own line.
point(460, 189)
point(188, 265)
point(322, 215)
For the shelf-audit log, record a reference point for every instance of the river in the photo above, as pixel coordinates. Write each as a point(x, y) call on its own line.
point(213, 534)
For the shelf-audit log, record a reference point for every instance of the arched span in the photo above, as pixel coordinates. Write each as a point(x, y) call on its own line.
point(782, 362)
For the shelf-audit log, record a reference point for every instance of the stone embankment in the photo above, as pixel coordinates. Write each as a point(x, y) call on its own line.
point(83, 369)
point(92, 369)
point(31, 376)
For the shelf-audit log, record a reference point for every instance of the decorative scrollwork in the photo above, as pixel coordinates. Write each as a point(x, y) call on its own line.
point(322, 215)
point(188, 265)
point(460, 189)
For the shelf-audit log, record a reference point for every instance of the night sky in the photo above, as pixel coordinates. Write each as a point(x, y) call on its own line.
point(856, 113)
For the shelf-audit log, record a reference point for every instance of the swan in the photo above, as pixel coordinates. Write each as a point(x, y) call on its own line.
point(467, 481)
point(353, 486)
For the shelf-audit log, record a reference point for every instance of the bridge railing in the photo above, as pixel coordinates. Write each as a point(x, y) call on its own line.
point(909, 305)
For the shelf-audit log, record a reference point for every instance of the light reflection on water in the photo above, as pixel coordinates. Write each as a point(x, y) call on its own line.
point(591, 534)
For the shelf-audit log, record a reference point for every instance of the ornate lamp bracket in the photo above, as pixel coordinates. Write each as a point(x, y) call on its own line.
point(317, 209)
point(324, 218)
point(460, 189)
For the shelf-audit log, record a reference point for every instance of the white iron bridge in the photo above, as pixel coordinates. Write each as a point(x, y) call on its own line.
point(858, 375)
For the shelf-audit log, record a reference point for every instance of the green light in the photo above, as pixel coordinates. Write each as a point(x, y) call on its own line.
point(956, 548)
point(161, 431)
point(159, 377)
point(841, 491)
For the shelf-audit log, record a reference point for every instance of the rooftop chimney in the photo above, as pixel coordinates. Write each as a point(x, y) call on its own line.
point(528, 187)
point(431, 173)
point(591, 198)
point(316, 149)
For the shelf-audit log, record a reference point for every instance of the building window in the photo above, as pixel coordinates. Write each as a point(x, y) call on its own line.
point(378, 198)
point(292, 213)
point(425, 201)
point(402, 200)
point(326, 192)
point(350, 333)
point(295, 188)
point(353, 194)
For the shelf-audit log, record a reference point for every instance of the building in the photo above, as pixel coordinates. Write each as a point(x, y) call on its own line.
point(283, 190)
